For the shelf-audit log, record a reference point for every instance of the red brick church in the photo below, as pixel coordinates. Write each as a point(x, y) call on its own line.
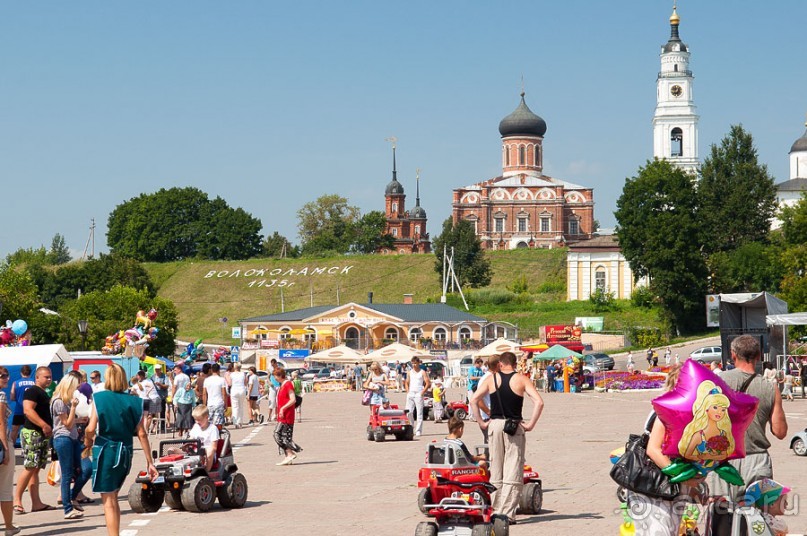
point(523, 208)
point(408, 228)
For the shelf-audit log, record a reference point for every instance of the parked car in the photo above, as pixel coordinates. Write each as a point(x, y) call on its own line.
point(466, 364)
point(436, 369)
point(707, 354)
point(602, 361)
point(799, 443)
point(318, 374)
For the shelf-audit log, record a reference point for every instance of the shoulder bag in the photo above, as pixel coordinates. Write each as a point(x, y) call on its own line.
point(636, 472)
point(510, 425)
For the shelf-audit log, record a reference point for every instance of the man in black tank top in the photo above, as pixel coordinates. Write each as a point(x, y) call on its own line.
point(507, 390)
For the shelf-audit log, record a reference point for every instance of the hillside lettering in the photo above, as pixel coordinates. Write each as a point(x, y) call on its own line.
point(260, 273)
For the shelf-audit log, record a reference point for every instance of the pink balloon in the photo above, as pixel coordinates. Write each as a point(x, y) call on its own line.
point(705, 419)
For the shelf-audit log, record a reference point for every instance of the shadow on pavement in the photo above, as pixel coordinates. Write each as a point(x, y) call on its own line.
point(61, 527)
point(315, 463)
point(544, 518)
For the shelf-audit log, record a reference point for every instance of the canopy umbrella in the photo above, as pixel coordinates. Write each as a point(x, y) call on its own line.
point(339, 354)
point(540, 347)
point(260, 331)
point(498, 346)
point(557, 352)
point(397, 352)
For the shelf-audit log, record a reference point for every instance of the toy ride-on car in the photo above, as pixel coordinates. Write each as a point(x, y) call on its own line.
point(392, 420)
point(183, 482)
point(447, 461)
point(458, 408)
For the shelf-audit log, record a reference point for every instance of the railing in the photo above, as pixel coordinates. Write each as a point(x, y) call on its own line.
point(674, 74)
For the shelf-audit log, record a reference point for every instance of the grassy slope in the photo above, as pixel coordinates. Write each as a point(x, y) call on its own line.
point(203, 301)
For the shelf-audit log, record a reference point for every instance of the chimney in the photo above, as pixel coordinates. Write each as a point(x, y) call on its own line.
point(407, 299)
point(370, 297)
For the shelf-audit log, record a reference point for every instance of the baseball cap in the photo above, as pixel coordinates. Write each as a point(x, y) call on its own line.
point(764, 492)
point(158, 367)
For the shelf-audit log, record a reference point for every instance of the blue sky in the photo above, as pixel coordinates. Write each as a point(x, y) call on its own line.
point(271, 104)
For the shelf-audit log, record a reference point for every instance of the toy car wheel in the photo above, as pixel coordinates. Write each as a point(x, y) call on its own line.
point(426, 528)
point(622, 494)
point(409, 433)
point(173, 499)
point(532, 499)
point(460, 413)
point(501, 526)
point(198, 495)
point(233, 494)
point(370, 433)
point(424, 498)
point(379, 435)
point(482, 529)
point(449, 411)
point(145, 500)
point(799, 447)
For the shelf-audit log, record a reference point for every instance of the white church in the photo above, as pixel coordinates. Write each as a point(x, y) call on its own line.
point(791, 190)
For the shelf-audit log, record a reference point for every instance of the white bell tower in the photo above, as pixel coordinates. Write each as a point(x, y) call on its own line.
point(675, 123)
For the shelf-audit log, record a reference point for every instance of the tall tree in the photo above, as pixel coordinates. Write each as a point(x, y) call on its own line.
point(659, 234)
point(59, 253)
point(181, 223)
point(470, 264)
point(370, 235)
point(277, 245)
point(327, 224)
point(794, 256)
point(736, 193)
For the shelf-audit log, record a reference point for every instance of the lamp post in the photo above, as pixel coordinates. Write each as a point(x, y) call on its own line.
point(82, 328)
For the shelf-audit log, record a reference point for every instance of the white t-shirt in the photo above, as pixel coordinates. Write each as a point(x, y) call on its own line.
point(213, 385)
point(238, 383)
point(97, 387)
point(254, 385)
point(146, 390)
point(208, 435)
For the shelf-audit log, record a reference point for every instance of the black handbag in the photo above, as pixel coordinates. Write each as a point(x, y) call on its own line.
point(636, 472)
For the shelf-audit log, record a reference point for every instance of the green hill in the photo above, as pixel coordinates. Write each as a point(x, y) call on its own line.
point(205, 292)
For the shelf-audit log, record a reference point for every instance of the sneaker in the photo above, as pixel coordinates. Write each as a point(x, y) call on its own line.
point(13, 530)
point(286, 461)
point(417, 434)
point(74, 514)
point(293, 457)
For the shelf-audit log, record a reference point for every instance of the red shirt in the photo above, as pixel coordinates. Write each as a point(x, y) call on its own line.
point(283, 397)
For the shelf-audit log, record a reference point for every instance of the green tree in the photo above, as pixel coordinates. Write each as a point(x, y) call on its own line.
point(28, 257)
point(659, 233)
point(276, 245)
point(370, 235)
point(181, 223)
point(470, 264)
point(109, 311)
point(18, 294)
point(327, 225)
point(794, 255)
point(59, 253)
point(736, 193)
point(752, 267)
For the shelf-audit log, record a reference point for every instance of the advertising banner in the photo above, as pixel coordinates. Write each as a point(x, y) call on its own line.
point(713, 311)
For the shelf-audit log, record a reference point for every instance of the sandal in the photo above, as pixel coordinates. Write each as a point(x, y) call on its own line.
point(19, 510)
point(44, 508)
point(86, 500)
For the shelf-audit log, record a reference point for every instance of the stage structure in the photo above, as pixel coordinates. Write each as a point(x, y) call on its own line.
point(746, 314)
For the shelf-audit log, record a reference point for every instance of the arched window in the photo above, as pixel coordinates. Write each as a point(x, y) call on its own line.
point(417, 229)
point(394, 231)
point(599, 278)
point(464, 333)
point(415, 334)
point(395, 207)
point(391, 333)
point(677, 142)
point(537, 156)
point(439, 334)
point(507, 155)
point(574, 226)
point(522, 245)
point(352, 337)
point(522, 155)
point(284, 334)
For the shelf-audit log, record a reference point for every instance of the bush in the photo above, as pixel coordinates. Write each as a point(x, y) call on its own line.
point(602, 300)
point(642, 297)
point(519, 285)
point(550, 287)
point(491, 296)
point(646, 337)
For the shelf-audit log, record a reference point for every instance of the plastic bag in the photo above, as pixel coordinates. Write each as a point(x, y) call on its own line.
point(54, 473)
point(83, 407)
point(365, 400)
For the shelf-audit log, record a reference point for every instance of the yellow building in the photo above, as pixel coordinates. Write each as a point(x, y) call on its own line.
point(598, 264)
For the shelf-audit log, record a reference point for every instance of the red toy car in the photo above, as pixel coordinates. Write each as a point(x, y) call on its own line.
point(446, 462)
point(391, 420)
point(458, 408)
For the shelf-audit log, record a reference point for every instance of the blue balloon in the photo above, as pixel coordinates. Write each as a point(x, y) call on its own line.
point(19, 327)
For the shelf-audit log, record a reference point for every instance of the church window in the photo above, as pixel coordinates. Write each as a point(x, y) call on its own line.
point(545, 227)
point(675, 67)
point(537, 156)
point(522, 155)
point(395, 207)
point(417, 229)
point(507, 155)
point(499, 225)
point(394, 231)
point(599, 278)
point(677, 142)
point(522, 225)
point(574, 227)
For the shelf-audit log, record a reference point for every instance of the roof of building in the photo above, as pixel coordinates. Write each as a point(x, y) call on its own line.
point(529, 179)
point(414, 312)
point(793, 185)
point(394, 187)
point(522, 122)
point(800, 144)
point(601, 243)
point(674, 44)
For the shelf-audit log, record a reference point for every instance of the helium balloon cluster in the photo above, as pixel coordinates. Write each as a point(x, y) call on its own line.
point(15, 333)
point(222, 355)
point(141, 334)
point(193, 352)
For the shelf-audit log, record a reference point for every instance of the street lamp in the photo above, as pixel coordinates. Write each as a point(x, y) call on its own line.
point(82, 328)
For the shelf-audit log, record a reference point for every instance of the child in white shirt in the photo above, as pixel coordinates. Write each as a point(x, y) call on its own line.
point(207, 433)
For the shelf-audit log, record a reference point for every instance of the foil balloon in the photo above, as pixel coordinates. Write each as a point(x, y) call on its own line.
point(19, 327)
point(706, 422)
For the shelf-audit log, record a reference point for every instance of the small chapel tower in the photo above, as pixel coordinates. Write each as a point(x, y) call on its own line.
point(675, 123)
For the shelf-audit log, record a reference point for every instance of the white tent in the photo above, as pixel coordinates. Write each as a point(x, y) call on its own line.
point(37, 356)
point(784, 320)
point(339, 355)
point(396, 352)
point(498, 346)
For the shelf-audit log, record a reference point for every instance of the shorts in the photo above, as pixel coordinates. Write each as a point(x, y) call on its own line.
point(216, 414)
point(35, 449)
point(253, 398)
point(18, 420)
point(152, 407)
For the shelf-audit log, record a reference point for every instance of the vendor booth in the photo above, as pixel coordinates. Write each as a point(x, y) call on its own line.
point(397, 352)
point(53, 356)
point(497, 347)
point(778, 324)
point(745, 314)
point(90, 361)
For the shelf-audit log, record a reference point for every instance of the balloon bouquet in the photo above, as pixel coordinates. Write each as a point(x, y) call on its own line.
point(143, 332)
point(706, 422)
point(193, 351)
point(15, 333)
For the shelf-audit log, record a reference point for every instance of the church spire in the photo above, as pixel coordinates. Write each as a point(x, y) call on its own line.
point(417, 187)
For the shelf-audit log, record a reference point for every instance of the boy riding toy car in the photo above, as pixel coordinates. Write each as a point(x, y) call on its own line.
point(389, 419)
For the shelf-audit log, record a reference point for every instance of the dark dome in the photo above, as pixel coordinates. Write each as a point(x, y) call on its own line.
point(394, 187)
point(675, 45)
point(800, 144)
point(418, 213)
point(522, 122)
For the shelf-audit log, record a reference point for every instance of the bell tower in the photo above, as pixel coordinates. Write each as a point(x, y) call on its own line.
point(675, 122)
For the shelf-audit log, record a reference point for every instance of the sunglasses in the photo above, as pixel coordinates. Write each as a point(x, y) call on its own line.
point(3, 376)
